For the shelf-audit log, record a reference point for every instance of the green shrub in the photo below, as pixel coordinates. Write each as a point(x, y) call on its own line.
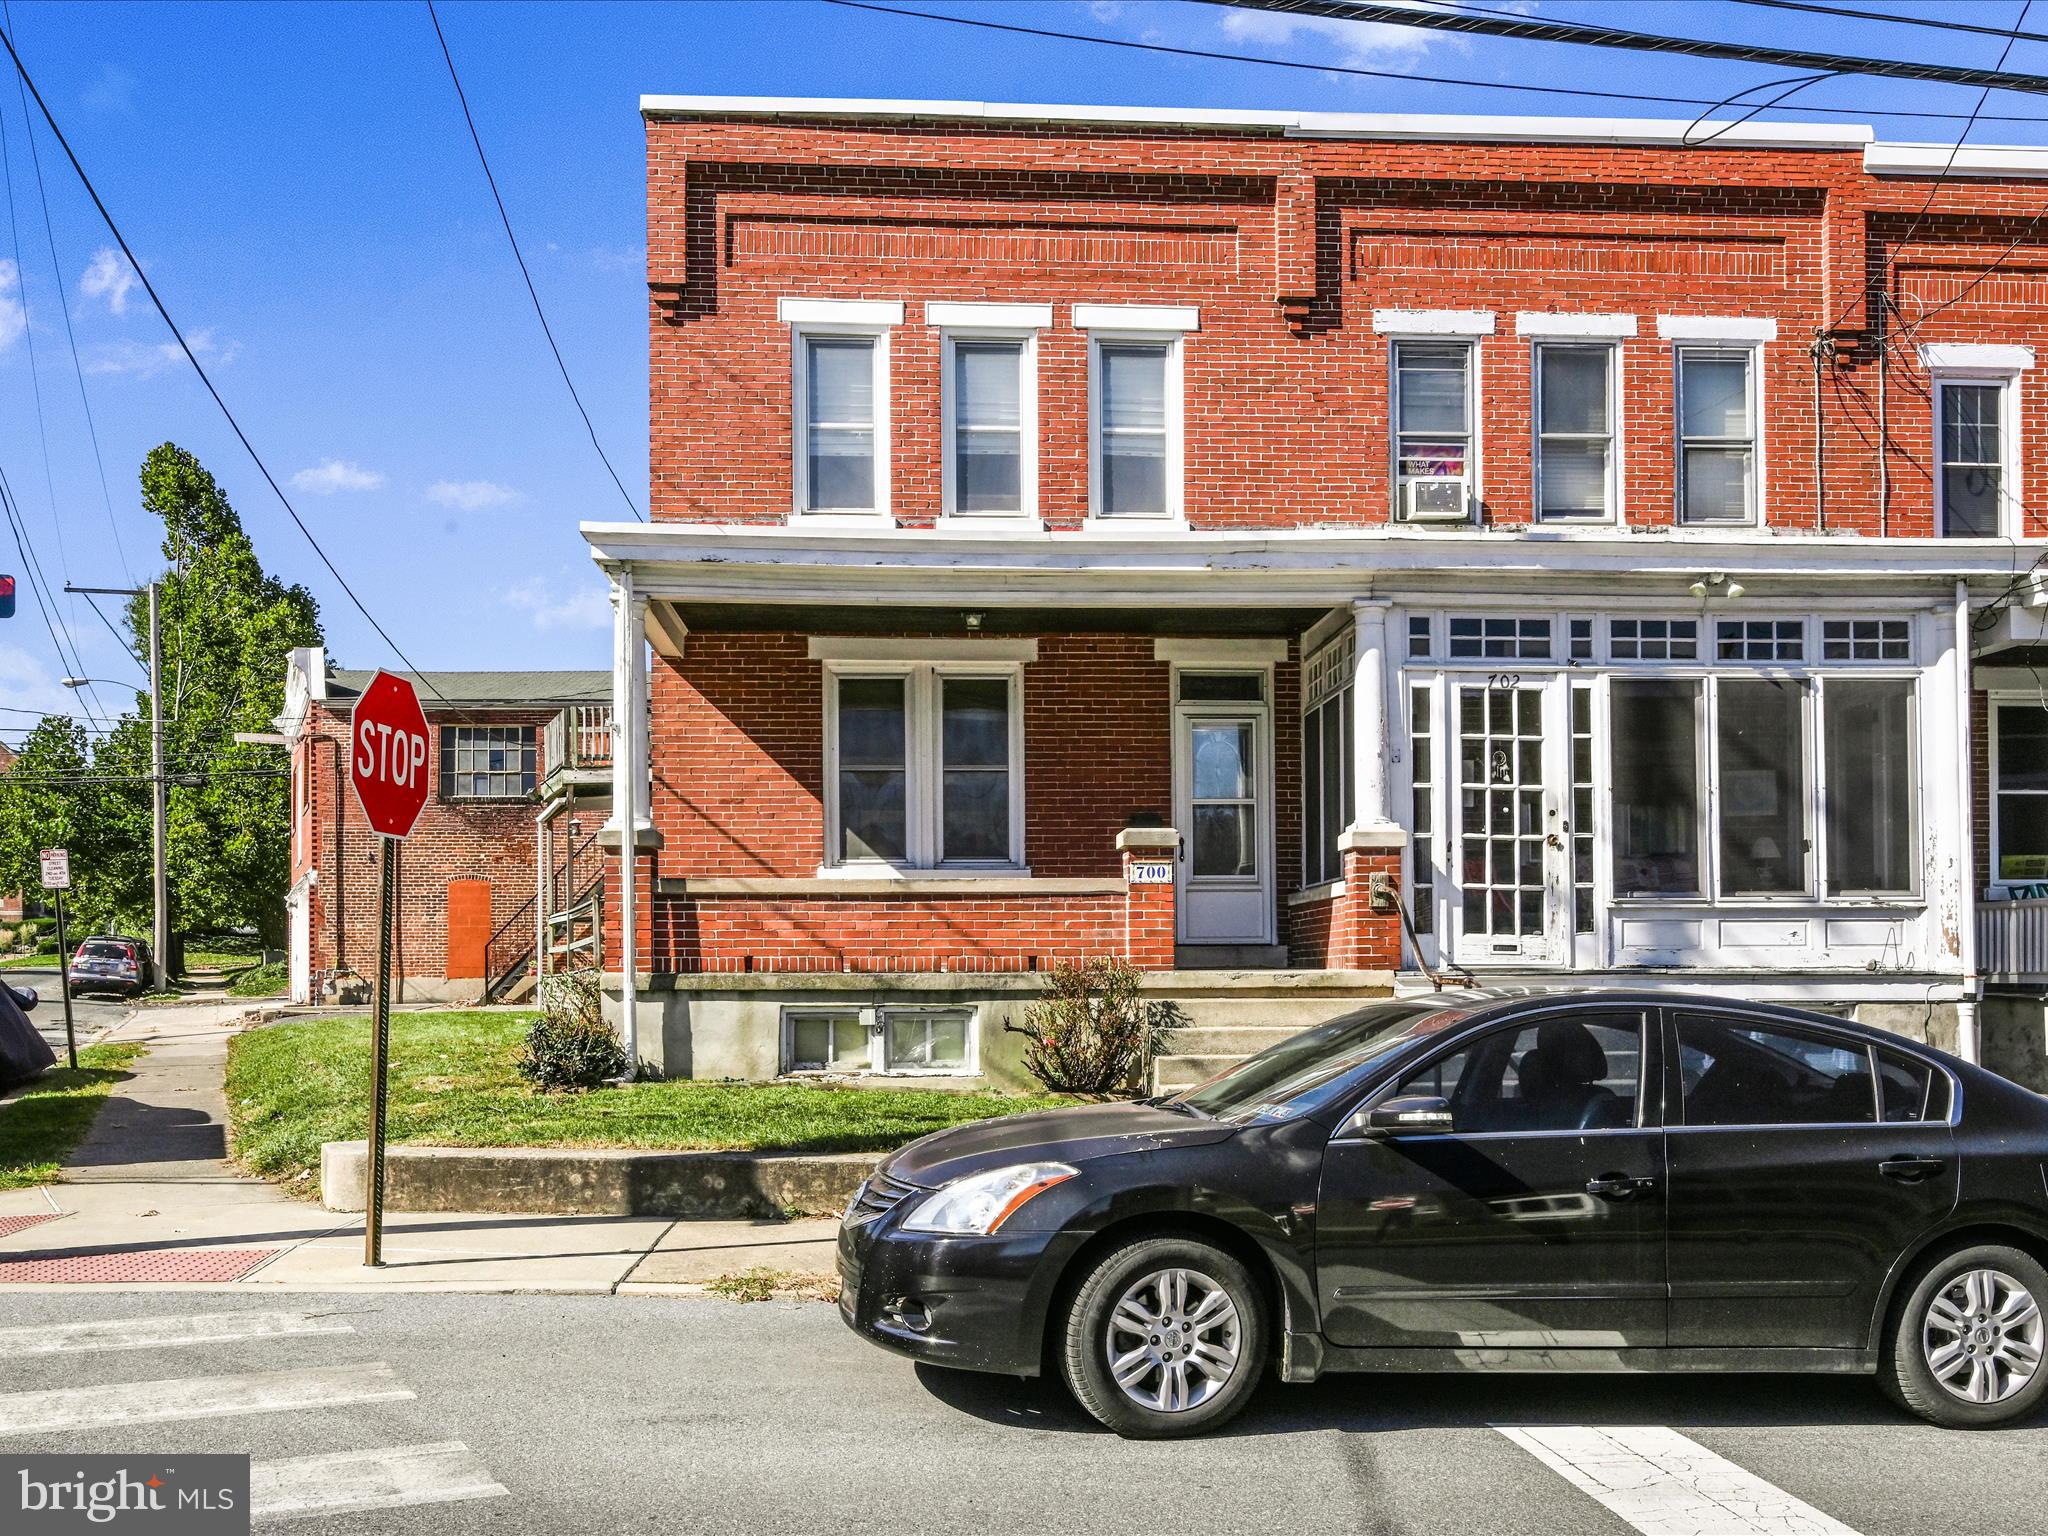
point(261, 981)
point(1094, 1032)
point(566, 1053)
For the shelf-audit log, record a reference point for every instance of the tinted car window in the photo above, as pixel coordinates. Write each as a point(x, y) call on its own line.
point(102, 950)
point(1739, 1073)
point(1305, 1072)
point(1904, 1087)
point(1552, 1075)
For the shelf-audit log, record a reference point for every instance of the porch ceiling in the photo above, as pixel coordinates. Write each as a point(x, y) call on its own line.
point(876, 618)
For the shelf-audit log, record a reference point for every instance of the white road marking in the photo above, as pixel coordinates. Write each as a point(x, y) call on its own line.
point(1666, 1485)
point(380, 1479)
point(165, 1332)
point(197, 1397)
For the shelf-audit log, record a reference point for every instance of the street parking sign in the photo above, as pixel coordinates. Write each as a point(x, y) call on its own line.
point(56, 869)
point(389, 751)
point(388, 755)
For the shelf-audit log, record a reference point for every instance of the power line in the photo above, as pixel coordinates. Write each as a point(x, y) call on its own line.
point(70, 334)
point(39, 585)
point(1406, 76)
point(1487, 23)
point(1854, 13)
point(520, 257)
point(149, 288)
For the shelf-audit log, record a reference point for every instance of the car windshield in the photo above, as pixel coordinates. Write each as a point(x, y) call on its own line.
point(102, 950)
point(1302, 1074)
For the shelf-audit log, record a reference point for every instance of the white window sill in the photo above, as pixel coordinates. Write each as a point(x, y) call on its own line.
point(993, 522)
point(1097, 526)
point(847, 518)
point(884, 871)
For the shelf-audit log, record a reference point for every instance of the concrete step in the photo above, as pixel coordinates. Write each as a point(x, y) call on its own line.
point(1287, 1013)
point(1172, 1073)
point(1230, 1039)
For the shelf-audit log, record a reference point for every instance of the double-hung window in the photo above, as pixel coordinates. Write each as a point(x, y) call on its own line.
point(2019, 815)
point(1575, 431)
point(1972, 481)
point(839, 351)
point(1433, 428)
point(925, 767)
point(1717, 434)
point(1135, 419)
point(989, 389)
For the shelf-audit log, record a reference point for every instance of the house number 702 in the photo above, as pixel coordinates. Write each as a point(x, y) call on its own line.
point(1503, 679)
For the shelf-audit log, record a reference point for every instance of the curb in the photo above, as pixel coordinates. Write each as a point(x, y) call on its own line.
point(595, 1181)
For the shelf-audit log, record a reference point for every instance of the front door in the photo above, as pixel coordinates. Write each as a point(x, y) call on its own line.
point(1507, 846)
point(1537, 1222)
point(1223, 788)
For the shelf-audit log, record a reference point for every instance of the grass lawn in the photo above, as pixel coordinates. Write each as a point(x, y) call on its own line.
point(46, 960)
point(261, 981)
point(40, 1125)
point(292, 1086)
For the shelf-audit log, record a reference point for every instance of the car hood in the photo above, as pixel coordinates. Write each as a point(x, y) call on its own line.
point(1077, 1135)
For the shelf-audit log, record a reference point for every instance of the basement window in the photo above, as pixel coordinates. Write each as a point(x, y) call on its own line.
point(903, 1042)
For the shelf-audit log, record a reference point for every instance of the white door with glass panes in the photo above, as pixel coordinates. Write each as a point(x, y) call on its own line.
point(1223, 799)
point(1508, 840)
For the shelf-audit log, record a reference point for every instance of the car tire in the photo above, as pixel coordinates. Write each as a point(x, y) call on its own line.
point(1959, 1348)
point(1205, 1344)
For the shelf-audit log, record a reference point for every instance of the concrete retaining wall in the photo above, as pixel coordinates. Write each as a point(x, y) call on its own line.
point(593, 1181)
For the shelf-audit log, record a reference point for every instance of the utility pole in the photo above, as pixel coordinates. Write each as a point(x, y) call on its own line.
point(160, 929)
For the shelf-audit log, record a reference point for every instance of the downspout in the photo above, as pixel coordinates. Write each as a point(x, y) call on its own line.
point(1973, 984)
point(1821, 347)
point(625, 787)
point(1884, 420)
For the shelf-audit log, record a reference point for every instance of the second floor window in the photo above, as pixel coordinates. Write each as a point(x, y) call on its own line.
point(1134, 427)
point(1432, 428)
point(1575, 432)
point(837, 432)
point(987, 421)
point(1717, 435)
point(488, 762)
point(1972, 458)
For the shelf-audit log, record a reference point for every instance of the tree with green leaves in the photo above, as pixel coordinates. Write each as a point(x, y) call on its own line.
point(227, 626)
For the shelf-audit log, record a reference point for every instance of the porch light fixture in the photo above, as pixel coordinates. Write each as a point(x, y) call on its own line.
point(973, 621)
point(1716, 584)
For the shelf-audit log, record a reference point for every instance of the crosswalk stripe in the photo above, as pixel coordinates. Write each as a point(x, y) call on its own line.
point(1666, 1485)
point(165, 1332)
point(380, 1479)
point(197, 1397)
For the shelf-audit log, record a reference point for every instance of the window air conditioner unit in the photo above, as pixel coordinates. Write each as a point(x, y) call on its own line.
point(1435, 499)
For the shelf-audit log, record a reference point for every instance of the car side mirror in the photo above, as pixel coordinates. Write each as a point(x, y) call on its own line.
point(1412, 1114)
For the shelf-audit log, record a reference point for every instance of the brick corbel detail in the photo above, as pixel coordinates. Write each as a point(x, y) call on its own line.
point(668, 174)
point(1360, 938)
point(1294, 248)
point(1148, 909)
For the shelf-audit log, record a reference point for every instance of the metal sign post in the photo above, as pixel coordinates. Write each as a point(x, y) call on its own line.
point(388, 766)
point(57, 878)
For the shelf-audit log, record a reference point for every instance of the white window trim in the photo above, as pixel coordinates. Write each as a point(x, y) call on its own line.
point(1615, 513)
point(1469, 323)
point(1150, 319)
point(1758, 460)
point(837, 317)
point(923, 796)
point(1716, 330)
point(1962, 357)
point(874, 1022)
point(1475, 458)
point(942, 315)
point(1175, 515)
point(1995, 699)
point(2007, 381)
point(1547, 326)
point(935, 648)
point(1026, 513)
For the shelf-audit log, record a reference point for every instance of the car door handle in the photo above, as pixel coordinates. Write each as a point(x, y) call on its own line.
point(1911, 1170)
point(1618, 1186)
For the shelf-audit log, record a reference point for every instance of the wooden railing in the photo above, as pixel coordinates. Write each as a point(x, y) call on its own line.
point(579, 739)
point(2012, 940)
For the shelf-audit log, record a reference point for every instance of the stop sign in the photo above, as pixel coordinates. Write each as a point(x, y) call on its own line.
point(388, 754)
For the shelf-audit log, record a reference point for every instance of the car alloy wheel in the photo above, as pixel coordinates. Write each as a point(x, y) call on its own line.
point(1982, 1336)
point(1173, 1340)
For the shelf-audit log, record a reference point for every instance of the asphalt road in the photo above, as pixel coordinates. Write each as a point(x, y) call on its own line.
point(699, 1415)
point(89, 1014)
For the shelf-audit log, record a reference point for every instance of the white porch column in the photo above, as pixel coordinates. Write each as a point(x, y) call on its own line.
point(1965, 864)
point(1374, 811)
point(629, 753)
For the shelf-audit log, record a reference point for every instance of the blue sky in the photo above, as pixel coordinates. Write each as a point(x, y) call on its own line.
point(297, 180)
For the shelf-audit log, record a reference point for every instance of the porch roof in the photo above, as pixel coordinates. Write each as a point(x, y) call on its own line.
point(772, 567)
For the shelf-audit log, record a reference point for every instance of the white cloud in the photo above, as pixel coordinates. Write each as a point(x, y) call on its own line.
point(143, 360)
point(108, 276)
point(470, 495)
point(1362, 44)
point(13, 318)
point(27, 684)
point(586, 607)
point(331, 475)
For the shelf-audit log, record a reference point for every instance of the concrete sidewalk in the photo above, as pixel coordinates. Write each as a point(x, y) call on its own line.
point(149, 1200)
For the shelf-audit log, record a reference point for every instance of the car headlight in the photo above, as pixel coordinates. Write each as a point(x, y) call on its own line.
point(980, 1203)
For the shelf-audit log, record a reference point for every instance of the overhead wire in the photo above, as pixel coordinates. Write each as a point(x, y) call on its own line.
point(39, 586)
point(156, 300)
point(519, 256)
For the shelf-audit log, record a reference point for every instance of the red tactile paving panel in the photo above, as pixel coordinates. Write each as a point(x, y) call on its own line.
point(9, 1225)
point(145, 1267)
